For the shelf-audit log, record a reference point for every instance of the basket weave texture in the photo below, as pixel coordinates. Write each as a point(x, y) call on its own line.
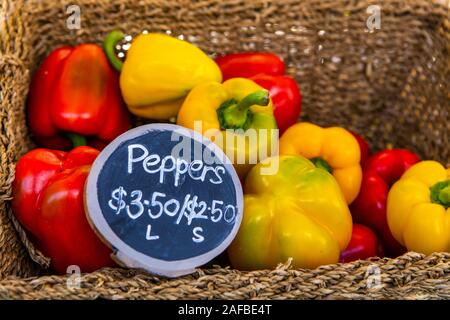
point(390, 84)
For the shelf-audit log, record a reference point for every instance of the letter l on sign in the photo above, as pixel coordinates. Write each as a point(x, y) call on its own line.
point(148, 236)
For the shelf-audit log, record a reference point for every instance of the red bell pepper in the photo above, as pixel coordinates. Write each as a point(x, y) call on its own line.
point(363, 244)
point(48, 193)
point(380, 171)
point(286, 98)
point(249, 64)
point(267, 70)
point(75, 99)
point(363, 146)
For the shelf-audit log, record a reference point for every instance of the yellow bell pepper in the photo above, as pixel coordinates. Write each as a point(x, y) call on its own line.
point(418, 208)
point(158, 73)
point(298, 212)
point(334, 149)
point(230, 114)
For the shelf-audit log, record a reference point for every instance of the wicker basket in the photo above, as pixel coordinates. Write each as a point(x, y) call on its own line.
point(390, 84)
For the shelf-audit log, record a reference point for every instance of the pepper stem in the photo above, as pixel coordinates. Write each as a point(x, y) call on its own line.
point(108, 46)
point(322, 163)
point(440, 193)
point(233, 114)
point(77, 140)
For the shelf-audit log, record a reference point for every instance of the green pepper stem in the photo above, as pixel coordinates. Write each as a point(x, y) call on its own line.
point(260, 98)
point(237, 115)
point(77, 140)
point(440, 193)
point(322, 163)
point(108, 46)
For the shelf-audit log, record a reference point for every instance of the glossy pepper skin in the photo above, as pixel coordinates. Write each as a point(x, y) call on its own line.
point(381, 170)
point(158, 73)
point(298, 212)
point(363, 146)
point(285, 96)
point(267, 70)
point(238, 104)
point(249, 64)
point(334, 149)
point(75, 96)
point(48, 193)
point(418, 208)
point(363, 245)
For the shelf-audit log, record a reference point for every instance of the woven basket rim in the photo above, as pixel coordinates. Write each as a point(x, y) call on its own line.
point(324, 282)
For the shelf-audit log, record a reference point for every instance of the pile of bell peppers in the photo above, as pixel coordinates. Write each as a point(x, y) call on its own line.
point(330, 200)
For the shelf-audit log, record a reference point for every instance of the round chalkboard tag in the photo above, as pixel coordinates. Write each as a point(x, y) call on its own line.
point(164, 198)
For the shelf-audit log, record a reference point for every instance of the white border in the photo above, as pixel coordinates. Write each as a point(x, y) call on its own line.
point(125, 252)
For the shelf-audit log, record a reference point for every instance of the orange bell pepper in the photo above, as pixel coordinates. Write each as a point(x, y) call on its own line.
point(334, 149)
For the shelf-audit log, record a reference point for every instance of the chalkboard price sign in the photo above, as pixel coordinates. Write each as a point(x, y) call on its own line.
point(165, 198)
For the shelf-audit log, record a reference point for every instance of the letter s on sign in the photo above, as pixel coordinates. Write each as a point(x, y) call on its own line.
point(197, 236)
